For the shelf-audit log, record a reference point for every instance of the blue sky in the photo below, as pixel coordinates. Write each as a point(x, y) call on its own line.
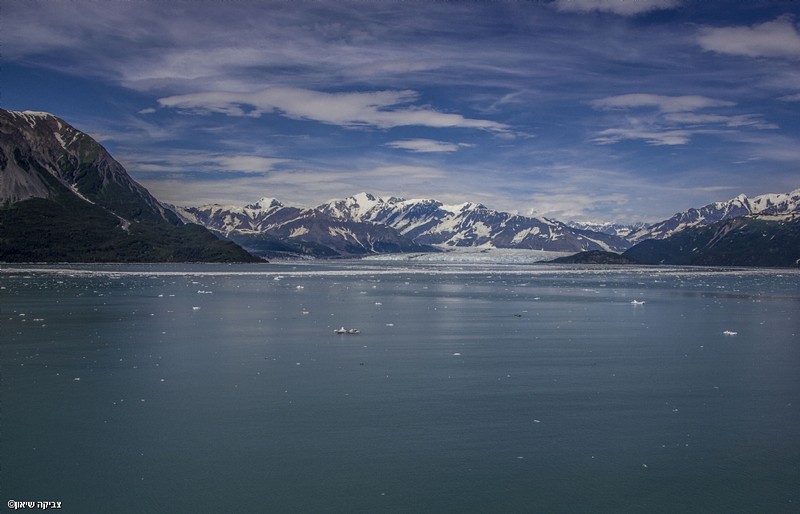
point(575, 109)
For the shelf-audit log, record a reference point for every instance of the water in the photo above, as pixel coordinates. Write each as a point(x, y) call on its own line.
point(471, 388)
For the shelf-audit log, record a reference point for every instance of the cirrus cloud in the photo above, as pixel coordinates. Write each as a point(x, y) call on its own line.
point(379, 109)
point(661, 102)
point(621, 7)
point(653, 137)
point(426, 145)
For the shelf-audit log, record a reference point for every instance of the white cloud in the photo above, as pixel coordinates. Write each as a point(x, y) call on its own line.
point(621, 7)
point(574, 205)
point(198, 162)
point(379, 109)
point(426, 145)
point(653, 137)
point(791, 98)
point(777, 38)
point(663, 103)
point(676, 120)
point(742, 120)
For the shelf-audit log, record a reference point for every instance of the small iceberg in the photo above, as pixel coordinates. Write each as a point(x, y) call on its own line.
point(730, 333)
point(637, 302)
point(349, 331)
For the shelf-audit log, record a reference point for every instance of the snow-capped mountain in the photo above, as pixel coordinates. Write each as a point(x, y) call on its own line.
point(270, 228)
point(613, 229)
point(258, 217)
point(365, 224)
point(469, 224)
point(775, 205)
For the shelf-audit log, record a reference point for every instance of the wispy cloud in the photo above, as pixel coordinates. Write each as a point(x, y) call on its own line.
point(675, 121)
point(653, 137)
point(755, 121)
point(573, 205)
point(661, 102)
point(777, 38)
point(621, 7)
point(381, 109)
point(180, 162)
point(426, 145)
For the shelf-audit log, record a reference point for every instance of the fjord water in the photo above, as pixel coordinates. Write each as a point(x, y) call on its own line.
point(470, 389)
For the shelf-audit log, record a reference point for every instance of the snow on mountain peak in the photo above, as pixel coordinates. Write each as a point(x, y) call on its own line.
point(774, 204)
point(265, 203)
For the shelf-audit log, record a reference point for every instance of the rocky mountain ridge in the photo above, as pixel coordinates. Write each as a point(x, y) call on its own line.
point(64, 198)
point(774, 205)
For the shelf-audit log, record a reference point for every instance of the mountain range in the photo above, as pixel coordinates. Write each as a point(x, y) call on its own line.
point(364, 224)
point(64, 198)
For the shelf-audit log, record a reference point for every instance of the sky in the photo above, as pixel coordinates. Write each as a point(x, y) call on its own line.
point(585, 110)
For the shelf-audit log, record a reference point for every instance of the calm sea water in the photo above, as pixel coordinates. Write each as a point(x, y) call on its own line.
point(470, 389)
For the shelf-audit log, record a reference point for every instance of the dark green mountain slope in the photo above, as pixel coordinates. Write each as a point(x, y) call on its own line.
point(745, 241)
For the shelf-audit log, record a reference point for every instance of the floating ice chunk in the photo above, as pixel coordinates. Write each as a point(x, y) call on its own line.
point(730, 333)
point(195, 308)
point(77, 379)
point(200, 291)
point(637, 302)
point(457, 354)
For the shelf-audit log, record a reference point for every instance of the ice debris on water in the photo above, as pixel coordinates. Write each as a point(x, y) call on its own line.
point(730, 333)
